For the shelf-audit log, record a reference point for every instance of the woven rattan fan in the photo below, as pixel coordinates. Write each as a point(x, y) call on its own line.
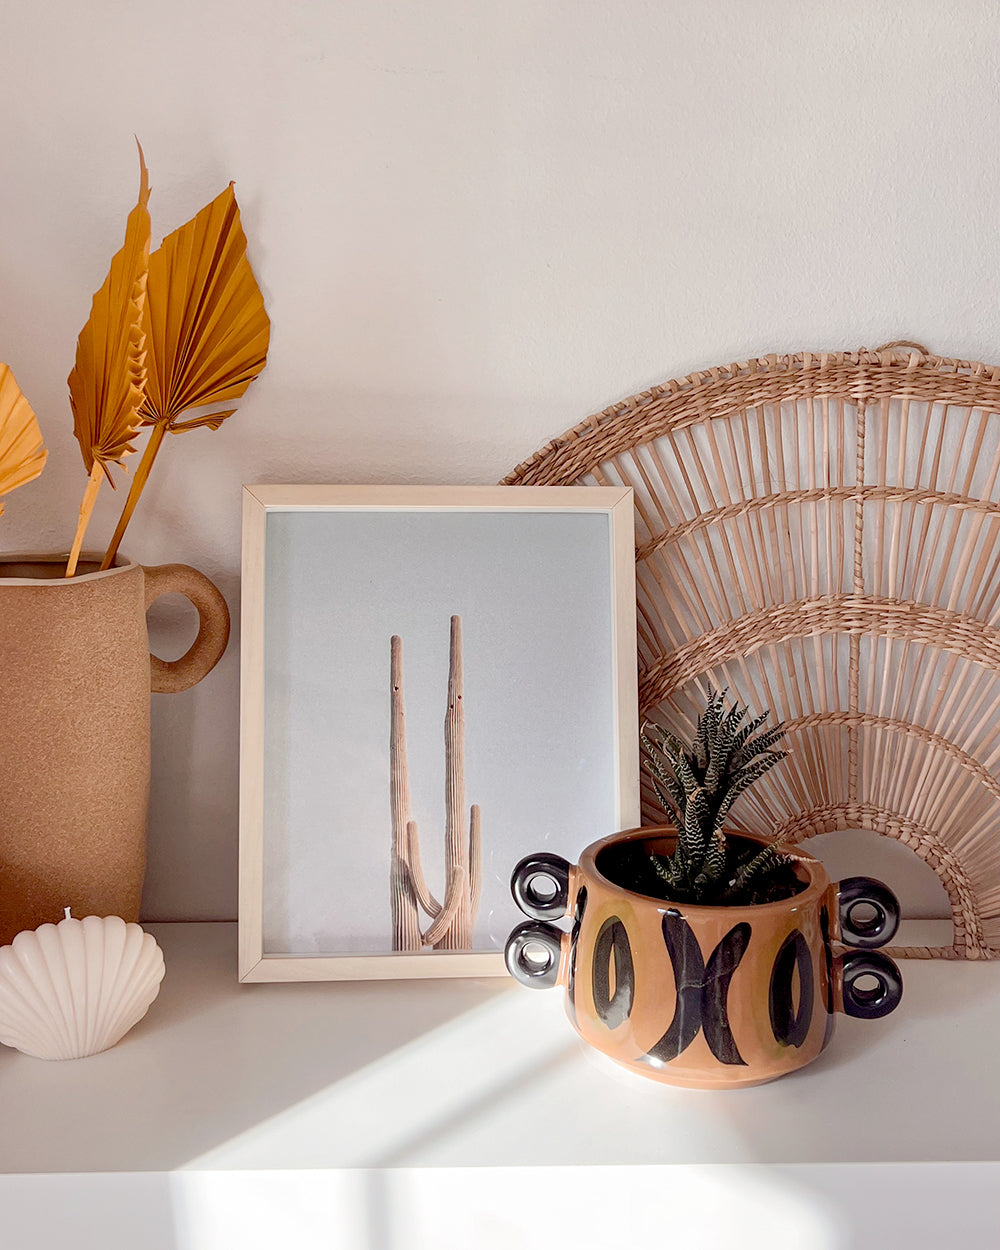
point(820, 533)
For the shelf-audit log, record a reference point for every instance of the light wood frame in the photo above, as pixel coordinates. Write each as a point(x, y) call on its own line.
point(258, 503)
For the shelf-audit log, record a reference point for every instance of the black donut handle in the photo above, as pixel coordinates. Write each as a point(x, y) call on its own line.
point(541, 904)
point(865, 893)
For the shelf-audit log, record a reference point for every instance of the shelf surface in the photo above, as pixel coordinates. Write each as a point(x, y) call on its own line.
point(456, 1073)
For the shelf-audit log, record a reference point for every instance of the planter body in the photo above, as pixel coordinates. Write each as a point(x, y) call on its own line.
point(75, 681)
point(713, 997)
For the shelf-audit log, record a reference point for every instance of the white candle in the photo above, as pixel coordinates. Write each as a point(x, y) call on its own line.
point(76, 988)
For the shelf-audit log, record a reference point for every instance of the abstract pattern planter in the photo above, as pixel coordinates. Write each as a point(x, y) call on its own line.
point(712, 997)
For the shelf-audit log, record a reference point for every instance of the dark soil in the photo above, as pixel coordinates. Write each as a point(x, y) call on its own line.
point(630, 866)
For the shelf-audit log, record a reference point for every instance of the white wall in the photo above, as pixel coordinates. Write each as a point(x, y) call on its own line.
point(474, 224)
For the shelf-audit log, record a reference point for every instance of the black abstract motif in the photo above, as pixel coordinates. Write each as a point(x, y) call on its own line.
point(789, 1025)
point(574, 940)
point(701, 988)
point(824, 928)
point(702, 991)
point(612, 943)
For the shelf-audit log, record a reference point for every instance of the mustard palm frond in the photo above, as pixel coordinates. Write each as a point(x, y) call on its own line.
point(207, 332)
point(205, 320)
point(107, 383)
point(22, 453)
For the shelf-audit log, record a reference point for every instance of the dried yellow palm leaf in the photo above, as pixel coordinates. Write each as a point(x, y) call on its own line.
point(206, 331)
point(22, 455)
point(107, 383)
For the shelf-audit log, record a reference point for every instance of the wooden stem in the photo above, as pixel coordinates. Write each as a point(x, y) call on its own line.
point(135, 490)
point(86, 508)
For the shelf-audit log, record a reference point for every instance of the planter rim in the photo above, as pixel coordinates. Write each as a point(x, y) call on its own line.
point(818, 882)
point(121, 564)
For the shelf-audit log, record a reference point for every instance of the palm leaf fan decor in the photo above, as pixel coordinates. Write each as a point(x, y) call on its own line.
point(107, 381)
point(822, 532)
point(206, 332)
point(22, 454)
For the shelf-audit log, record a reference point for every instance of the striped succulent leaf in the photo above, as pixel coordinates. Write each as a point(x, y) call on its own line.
point(697, 784)
point(756, 746)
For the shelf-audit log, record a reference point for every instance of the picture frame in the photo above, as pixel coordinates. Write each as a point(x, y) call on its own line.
point(401, 645)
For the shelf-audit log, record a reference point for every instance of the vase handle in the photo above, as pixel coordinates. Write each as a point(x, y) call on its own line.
point(551, 904)
point(871, 1003)
point(867, 912)
point(534, 954)
point(172, 676)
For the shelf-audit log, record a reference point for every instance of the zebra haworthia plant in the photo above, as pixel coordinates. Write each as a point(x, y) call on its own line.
point(697, 783)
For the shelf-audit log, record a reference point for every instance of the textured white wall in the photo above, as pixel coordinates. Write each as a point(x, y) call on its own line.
point(474, 224)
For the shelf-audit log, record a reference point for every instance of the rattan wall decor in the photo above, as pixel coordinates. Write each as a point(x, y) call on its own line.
point(821, 534)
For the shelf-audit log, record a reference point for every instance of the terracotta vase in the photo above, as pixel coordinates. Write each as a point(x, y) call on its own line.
point(75, 681)
point(712, 997)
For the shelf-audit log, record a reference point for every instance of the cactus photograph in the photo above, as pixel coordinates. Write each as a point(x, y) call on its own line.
point(444, 689)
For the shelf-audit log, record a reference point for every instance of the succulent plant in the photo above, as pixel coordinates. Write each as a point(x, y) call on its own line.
point(697, 784)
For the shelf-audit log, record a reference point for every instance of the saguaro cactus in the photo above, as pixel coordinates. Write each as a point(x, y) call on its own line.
point(451, 921)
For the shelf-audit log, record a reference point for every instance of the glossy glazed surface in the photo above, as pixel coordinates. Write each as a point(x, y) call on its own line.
point(704, 996)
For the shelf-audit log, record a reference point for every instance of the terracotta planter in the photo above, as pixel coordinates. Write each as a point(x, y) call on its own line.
point(713, 997)
point(75, 680)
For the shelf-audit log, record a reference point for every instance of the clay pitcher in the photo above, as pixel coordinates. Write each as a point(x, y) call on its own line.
point(75, 680)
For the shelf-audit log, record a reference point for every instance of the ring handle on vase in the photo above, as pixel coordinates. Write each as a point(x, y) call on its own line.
point(868, 912)
point(867, 1002)
point(534, 954)
point(542, 902)
point(172, 676)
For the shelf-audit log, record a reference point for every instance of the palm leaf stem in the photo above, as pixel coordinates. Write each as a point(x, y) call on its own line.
point(86, 510)
point(149, 453)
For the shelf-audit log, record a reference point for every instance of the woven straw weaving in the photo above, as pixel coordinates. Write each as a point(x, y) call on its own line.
point(819, 534)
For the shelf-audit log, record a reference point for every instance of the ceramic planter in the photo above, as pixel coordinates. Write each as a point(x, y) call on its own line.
point(75, 681)
point(712, 997)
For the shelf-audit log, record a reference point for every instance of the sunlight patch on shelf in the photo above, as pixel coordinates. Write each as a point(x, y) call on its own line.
point(376, 1112)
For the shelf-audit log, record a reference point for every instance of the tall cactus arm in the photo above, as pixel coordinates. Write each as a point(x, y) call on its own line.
point(475, 857)
point(405, 913)
point(459, 934)
point(405, 916)
point(424, 897)
point(453, 899)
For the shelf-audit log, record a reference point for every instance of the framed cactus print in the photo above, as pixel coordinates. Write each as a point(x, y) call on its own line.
point(435, 681)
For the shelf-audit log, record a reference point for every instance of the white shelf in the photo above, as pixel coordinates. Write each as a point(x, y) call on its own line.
point(482, 1073)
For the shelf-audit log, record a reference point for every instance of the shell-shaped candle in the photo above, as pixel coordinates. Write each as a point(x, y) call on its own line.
point(76, 988)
